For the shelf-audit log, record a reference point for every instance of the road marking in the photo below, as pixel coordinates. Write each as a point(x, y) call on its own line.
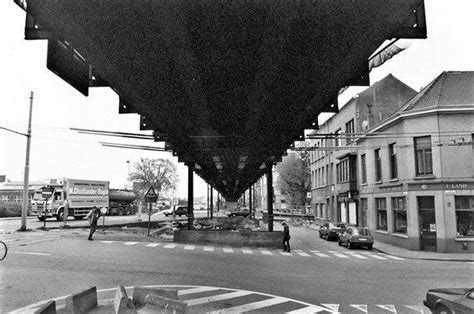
point(358, 256)
point(247, 251)
point(228, 250)
point(152, 244)
point(314, 251)
point(196, 290)
point(377, 256)
point(415, 308)
point(108, 242)
point(189, 247)
point(266, 252)
point(170, 246)
point(32, 253)
point(333, 307)
point(321, 255)
point(130, 243)
point(208, 249)
point(388, 307)
point(360, 307)
point(314, 309)
point(395, 257)
point(219, 297)
point(340, 255)
point(286, 253)
point(303, 254)
point(251, 306)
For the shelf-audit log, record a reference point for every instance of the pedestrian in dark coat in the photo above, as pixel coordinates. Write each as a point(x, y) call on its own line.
point(93, 216)
point(286, 237)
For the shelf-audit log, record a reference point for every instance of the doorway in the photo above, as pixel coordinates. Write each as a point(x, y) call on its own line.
point(427, 223)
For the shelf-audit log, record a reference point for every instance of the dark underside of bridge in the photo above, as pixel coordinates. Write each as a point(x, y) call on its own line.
point(228, 85)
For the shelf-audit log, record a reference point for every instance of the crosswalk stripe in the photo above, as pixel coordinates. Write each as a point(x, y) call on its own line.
point(247, 251)
point(227, 250)
point(219, 297)
point(189, 247)
point(314, 251)
point(377, 256)
point(170, 246)
point(303, 254)
point(286, 253)
point(361, 307)
point(322, 255)
point(152, 244)
point(340, 255)
point(251, 306)
point(108, 242)
point(313, 309)
point(388, 307)
point(265, 252)
point(208, 249)
point(415, 308)
point(196, 290)
point(130, 243)
point(359, 256)
point(395, 257)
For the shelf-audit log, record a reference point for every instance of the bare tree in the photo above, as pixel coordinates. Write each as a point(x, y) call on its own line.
point(159, 173)
point(294, 178)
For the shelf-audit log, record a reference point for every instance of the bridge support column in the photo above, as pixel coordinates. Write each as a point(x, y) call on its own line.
point(190, 197)
point(270, 196)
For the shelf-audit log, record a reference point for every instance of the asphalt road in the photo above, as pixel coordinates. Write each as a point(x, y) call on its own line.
point(44, 265)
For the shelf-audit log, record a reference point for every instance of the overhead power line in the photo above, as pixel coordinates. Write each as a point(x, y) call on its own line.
point(114, 133)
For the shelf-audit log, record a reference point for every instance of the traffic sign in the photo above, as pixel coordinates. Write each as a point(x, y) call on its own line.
point(150, 196)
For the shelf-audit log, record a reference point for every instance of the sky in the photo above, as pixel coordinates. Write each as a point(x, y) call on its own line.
point(58, 152)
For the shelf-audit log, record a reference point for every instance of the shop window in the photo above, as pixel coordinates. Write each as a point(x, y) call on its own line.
point(393, 161)
point(464, 206)
point(381, 208)
point(378, 165)
point(363, 166)
point(423, 158)
point(399, 214)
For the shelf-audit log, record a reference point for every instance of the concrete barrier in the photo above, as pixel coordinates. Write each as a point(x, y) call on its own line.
point(122, 304)
point(160, 304)
point(82, 302)
point(139, 293)
point(47, 308)
point(242, 238)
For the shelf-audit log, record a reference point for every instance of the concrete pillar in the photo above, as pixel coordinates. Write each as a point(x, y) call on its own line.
point(250, 201)
point(212, 203)
point(190, 197)
point(270, 196)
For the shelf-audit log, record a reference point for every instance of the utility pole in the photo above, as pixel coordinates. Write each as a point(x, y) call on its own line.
point(24, 209)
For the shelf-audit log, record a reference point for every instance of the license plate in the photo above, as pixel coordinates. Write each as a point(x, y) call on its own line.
point(363, 239)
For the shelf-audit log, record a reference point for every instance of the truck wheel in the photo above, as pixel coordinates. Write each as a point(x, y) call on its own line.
point(60, 216)
point(41, 218)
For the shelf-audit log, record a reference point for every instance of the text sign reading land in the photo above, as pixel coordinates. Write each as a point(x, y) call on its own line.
point(150, 196)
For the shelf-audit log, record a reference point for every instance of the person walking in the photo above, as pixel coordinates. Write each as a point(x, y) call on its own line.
point(93, 216)
point(286, 237)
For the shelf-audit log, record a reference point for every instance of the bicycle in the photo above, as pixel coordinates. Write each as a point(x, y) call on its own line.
point(3, 250)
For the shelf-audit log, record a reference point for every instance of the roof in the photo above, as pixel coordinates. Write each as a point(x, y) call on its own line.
point(449, 89)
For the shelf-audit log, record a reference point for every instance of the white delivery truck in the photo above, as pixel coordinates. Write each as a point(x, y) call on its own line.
point(82, 195)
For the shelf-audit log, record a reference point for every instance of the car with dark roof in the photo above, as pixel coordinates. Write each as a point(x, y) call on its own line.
point(450, 300)
point(331, 231)
point(356, 237)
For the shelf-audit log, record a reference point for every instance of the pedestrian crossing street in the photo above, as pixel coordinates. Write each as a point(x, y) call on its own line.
point(342, 254)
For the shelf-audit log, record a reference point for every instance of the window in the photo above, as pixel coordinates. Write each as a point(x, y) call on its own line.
point(349, 131)
point(423, 161)
point(399, 214)
point(381, 208)
point(393, 161)
point(346, 170)
point(4, 198)
point(363, 167)
point(464, 206)
point(363, 214)
point(378, 165)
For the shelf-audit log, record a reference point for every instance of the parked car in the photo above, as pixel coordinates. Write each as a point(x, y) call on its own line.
point(241, 212)
point(450, 300)
point(356, 237)
point(179, 210)
point(331, 231)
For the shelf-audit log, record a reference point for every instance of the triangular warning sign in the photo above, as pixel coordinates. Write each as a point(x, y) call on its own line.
point(151, 193)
